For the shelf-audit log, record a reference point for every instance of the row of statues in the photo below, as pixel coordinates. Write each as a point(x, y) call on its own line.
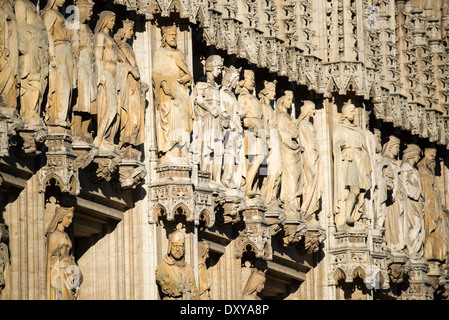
point(240, 139)
point(58, 73)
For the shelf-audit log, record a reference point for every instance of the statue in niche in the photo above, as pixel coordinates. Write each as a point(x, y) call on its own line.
point(62, 72)
point(395, 218)
point(254, 286)
point(5, 264)
point(132, 95)
point(413, 201)
point(106, 55)
point(290, 155)
point(9, 55)
point(209, 113)
point(311, 181)
point(63, 275)
point(435, 233)
point(173, 275)
point(33, 61)
point(203, 273)
point(85, 107)
point(271, 184)
point(254, 133)
point(379, 189)
point(174, 114)
point(234, 157)
point(352, 169)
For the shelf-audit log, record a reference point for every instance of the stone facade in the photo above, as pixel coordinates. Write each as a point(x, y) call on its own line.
point(224, 149)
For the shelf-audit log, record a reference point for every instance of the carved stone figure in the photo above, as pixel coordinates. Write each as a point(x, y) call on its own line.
point(234, 157)
point(413, 201)
point(83, 44)
point(271, 184)
point(171, 81)
point(173, 275)
point(209, 113)
point(352, 169)
point(9, 55)
point(62, 73)
point(203, 273)
point(34, 61)
point(290, 155)
point(132, 95)
point(254, 285)
point(435, 237)
point(311, 181)
point(5, 264)
point(379, 187)
point(254, 130)
point(63, 275)
point(106, 55)
point(395, 218)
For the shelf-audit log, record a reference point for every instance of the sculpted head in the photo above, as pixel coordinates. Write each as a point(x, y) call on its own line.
point(176, 245)
point(169, 36)
point(85, 8)
point(430, 158)
point(348, 111)
point(391, 148)
point(411, 154)
point(214, 65)
point(231, 77)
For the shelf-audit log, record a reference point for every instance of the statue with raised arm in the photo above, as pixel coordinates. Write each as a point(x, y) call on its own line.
point(352, 169)
point(174, 114)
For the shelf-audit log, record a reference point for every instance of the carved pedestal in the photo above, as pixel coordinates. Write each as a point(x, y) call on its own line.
point(419, 286)
point(233, 205)
point(60, 163)
point(107, 162)
point(256, 234)
point(131, 173)
point(85, 153)
point(10, 123)
point(313, 237)
point(32, 138)
point(174, 193)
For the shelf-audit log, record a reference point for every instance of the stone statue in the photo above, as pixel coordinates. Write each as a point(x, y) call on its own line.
point(395, 218)
point(83, 46)
point(63, 275)
point(33, 60)
point(311, 182)
point(171, 81)
point(254, 132)
point(106, 55)
point(234, 157)
point(173, 275)
point(208, 113)
point(435, 237)
point(379, 188)
point(352, 169)
point(5, 264)
point(9, 55)
point(254, 285)
point(290, 159)
point(413, 201)
point(62, 73)
point(271, 184)
point(132, 95)
point(203, 273)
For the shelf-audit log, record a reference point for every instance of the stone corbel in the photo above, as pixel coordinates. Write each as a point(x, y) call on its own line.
point(256, 234)
point(60, 164)
point(10, 125)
